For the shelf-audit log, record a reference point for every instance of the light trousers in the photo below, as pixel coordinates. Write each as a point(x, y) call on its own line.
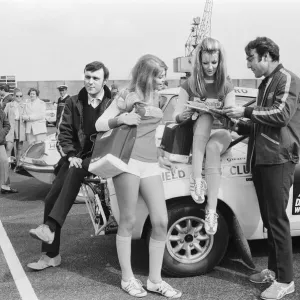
point(4, 179)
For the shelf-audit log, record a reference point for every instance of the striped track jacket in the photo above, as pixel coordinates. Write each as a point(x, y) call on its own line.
point(274, 127)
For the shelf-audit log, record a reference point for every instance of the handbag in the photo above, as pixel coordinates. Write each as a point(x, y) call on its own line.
point(112, 151)
point(177, 141)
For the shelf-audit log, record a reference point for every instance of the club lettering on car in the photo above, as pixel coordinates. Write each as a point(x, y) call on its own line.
point(189, 249)
point(168, 175)
point(239, 170)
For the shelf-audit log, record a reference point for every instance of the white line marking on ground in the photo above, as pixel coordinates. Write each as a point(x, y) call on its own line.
point(23, 284)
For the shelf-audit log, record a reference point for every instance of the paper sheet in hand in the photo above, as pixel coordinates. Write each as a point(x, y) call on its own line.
point(218, 113)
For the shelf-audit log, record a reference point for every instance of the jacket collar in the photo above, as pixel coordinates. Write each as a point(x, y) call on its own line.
point(265, 80)
point(83, 95)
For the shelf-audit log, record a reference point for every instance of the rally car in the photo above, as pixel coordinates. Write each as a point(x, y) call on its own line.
point(189, 250)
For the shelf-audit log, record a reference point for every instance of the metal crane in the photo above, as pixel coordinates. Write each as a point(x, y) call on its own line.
point(199, 31)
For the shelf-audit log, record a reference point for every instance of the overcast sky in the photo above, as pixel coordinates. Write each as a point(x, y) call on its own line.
point(55, 39)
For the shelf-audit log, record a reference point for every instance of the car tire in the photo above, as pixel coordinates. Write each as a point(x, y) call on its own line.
point(47, 124)
point(192, 262)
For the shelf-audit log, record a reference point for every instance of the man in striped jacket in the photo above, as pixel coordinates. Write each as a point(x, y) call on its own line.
point(273, 151)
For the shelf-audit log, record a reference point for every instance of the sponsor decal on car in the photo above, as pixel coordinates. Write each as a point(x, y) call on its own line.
point(236, 170)
point(296, 206)
point(169, 176)
point(235, 158)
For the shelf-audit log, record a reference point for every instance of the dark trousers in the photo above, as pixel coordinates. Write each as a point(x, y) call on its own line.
point(61, 197)
point(272, 184)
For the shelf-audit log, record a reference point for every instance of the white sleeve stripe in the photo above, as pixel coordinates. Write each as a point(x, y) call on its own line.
point(283, 99)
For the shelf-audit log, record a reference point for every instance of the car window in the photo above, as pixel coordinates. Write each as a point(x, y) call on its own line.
point(50, 106)
point(162, 101)
point(169, 110)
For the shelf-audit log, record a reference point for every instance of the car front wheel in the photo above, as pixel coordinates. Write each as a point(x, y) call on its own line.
point(190, 250)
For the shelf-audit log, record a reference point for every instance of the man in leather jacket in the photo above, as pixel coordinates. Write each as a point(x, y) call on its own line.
point(273, 152)
point(75, 145)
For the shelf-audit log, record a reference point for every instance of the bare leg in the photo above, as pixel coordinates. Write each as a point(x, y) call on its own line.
point(152, 191)
point(126, 187)
point(202, 131)
point(155, 200)
point(216, 146)
point(218, 143)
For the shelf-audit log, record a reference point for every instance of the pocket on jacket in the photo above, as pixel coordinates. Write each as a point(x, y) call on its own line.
point(270, 139)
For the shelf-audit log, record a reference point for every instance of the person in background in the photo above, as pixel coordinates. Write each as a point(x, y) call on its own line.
point(35, 117)
point(273, 152)
point(138, 106)
point(4, 179)
point(5, 96)
point(114, 91)
point(74, 144)
point(209, 86)
point(63, 91)
point(14, 111)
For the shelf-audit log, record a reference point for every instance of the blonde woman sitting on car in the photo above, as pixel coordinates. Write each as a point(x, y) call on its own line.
point(208, 85)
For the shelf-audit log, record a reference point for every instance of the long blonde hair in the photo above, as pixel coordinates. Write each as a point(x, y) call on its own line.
point(196, 81)
point(143, 73)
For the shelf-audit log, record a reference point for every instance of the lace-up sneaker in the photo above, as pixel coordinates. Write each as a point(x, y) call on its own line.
point(134, 287)
point(200, 188)
point(164, 289)
point(42, 233)
point(278, 290)
point(265, 276)
point(211, 222)
point(45, 262)
point(194, 187)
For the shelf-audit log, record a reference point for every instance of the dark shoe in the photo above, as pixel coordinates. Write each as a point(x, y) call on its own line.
point(45, 262)
point(265, 276)
point(112, 225)
point(10, 191)
point(42, 233)
point(17, 169)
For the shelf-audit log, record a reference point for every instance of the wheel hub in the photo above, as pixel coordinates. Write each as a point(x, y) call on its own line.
point(188, 238)
point(187, 241)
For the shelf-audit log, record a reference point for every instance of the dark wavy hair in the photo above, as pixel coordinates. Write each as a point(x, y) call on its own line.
point(95, 66)
point(33, 90)
point(263, 45)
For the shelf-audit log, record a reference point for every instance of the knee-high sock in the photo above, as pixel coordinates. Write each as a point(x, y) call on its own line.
point(213, 179)
point(156, 254)
point(199, 144)
point(124, 255)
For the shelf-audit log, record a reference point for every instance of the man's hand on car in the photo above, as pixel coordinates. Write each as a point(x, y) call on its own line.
point(75, 162)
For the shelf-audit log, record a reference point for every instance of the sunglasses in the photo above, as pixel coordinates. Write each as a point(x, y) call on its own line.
point(19, 96)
